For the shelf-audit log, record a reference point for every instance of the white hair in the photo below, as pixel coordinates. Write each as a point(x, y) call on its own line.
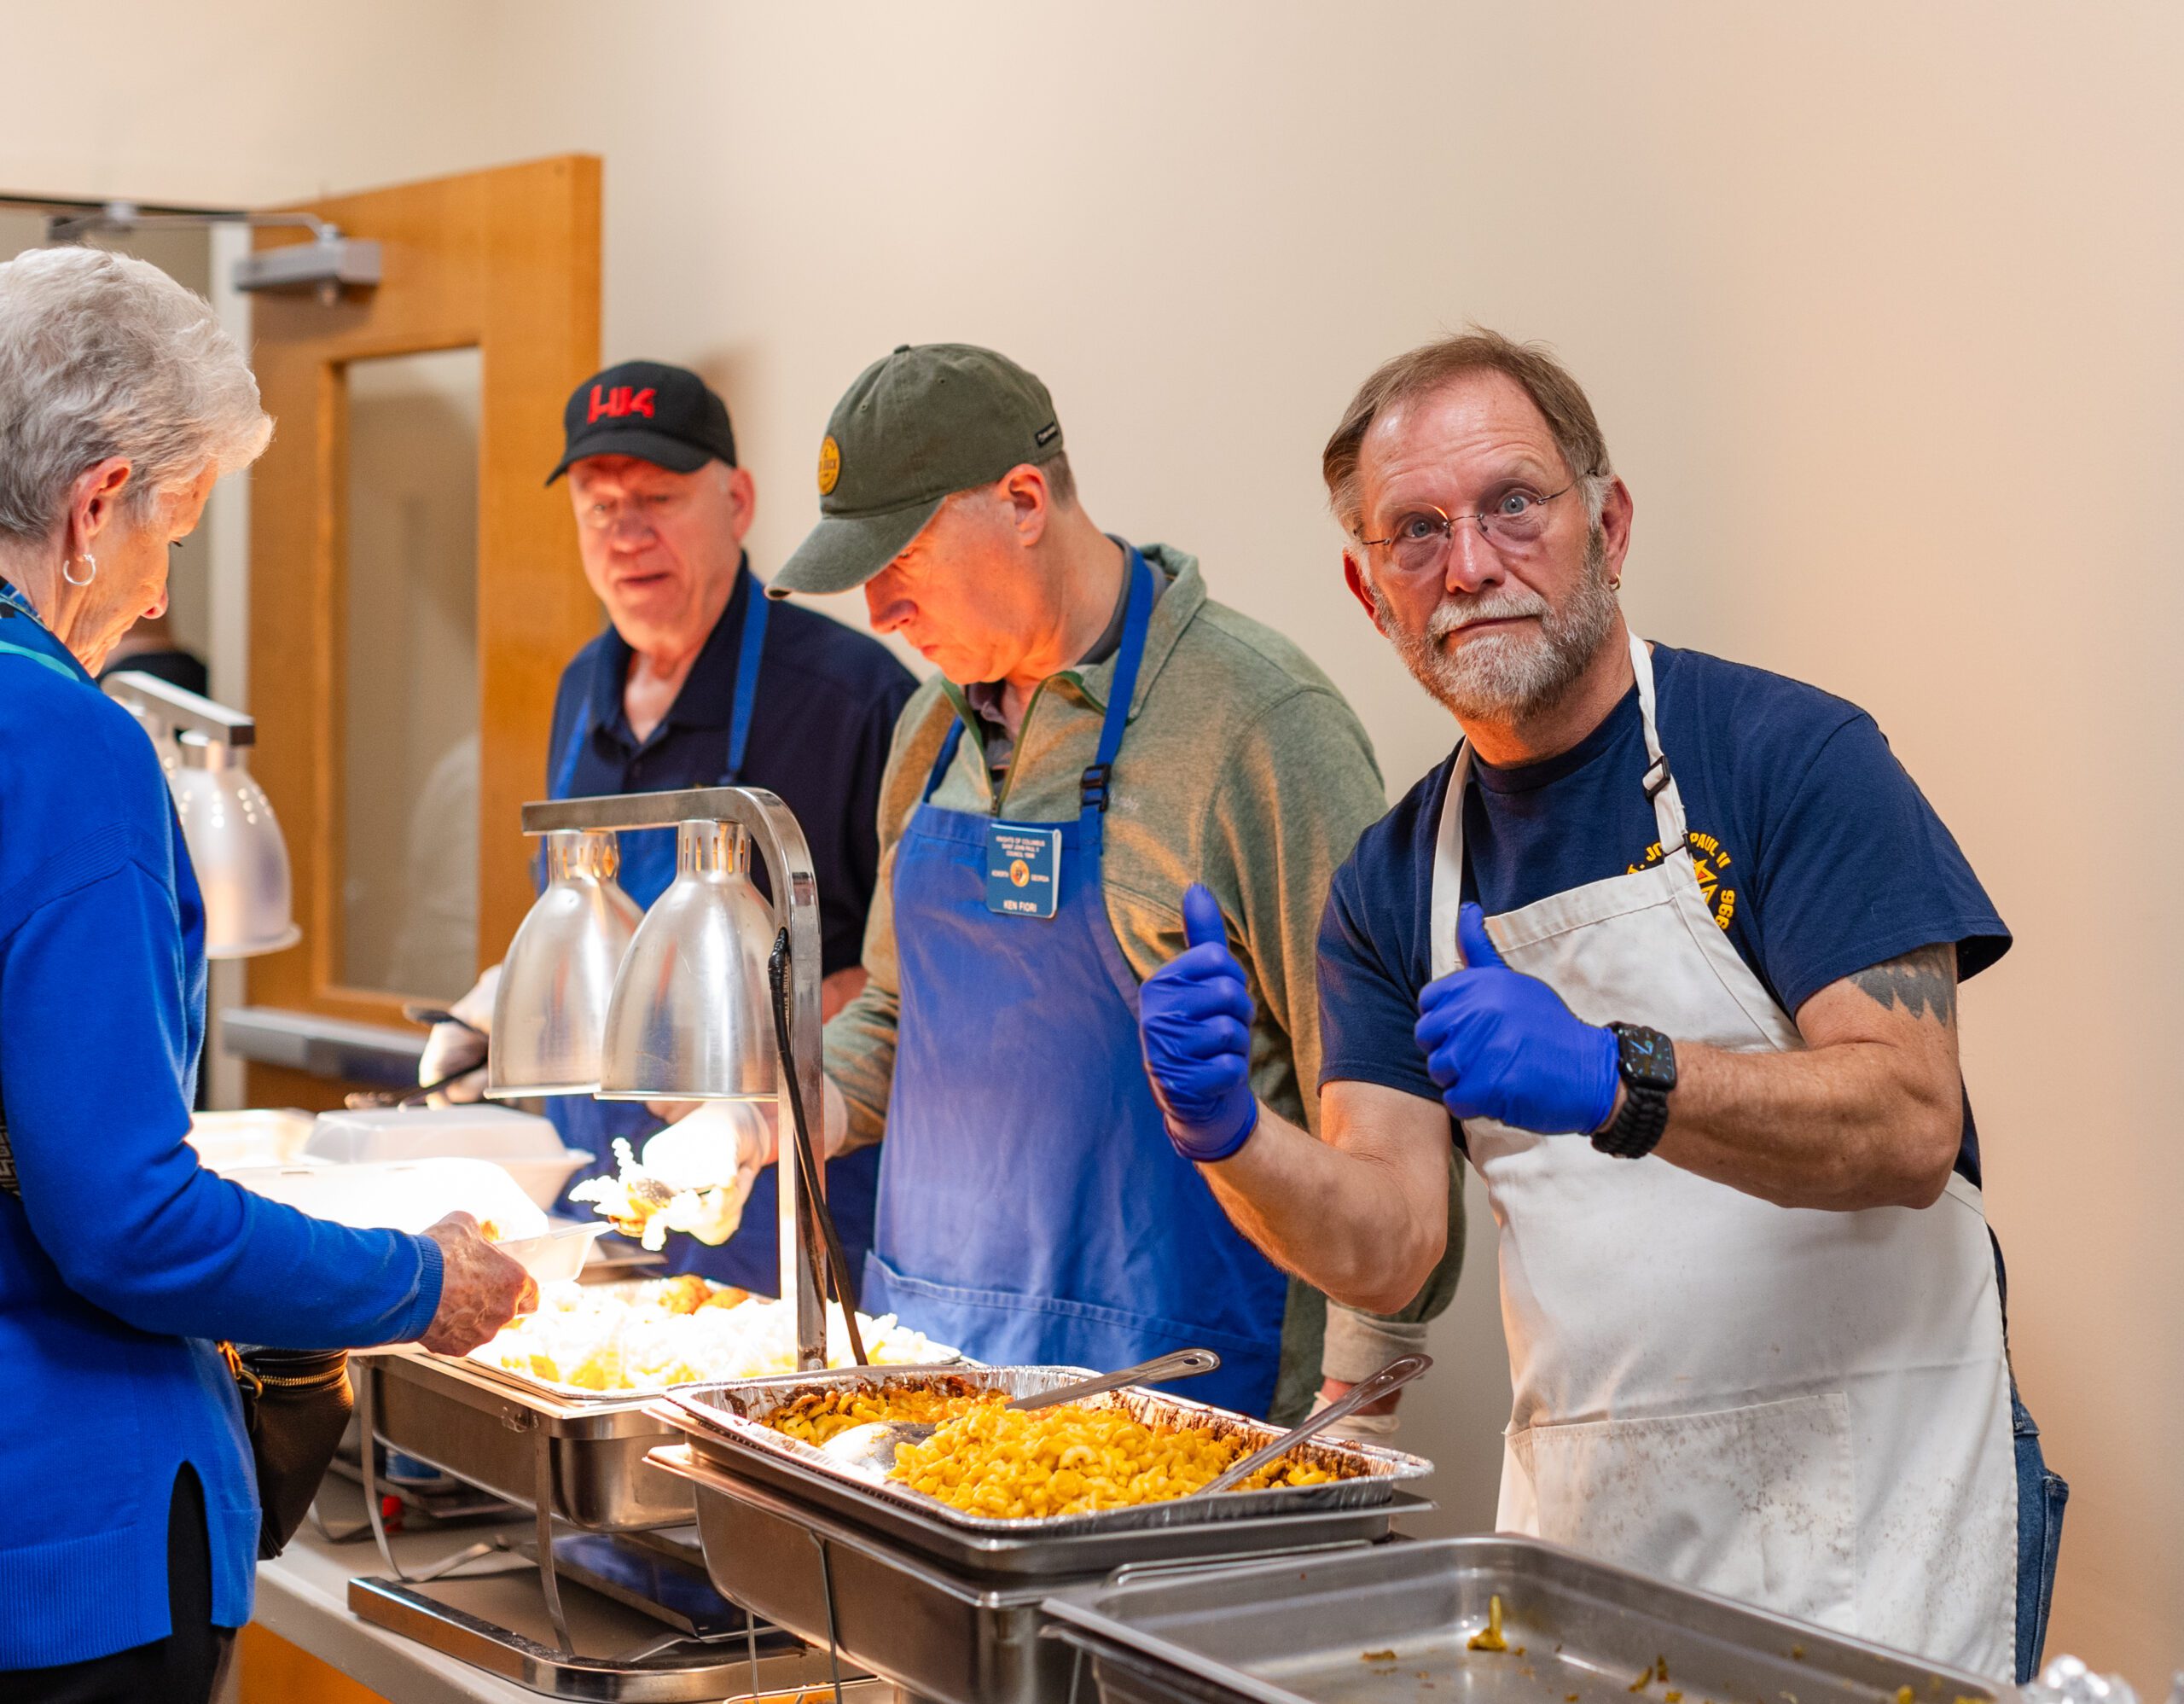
point(104, 355)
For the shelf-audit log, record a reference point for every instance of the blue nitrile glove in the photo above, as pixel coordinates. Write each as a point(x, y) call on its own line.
point(1501, 1045)
point(1195, 1013)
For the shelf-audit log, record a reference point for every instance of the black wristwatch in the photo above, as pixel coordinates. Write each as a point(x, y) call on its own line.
point(1646, 1061)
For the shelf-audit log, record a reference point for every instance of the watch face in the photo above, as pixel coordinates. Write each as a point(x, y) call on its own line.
point(1647, 1057)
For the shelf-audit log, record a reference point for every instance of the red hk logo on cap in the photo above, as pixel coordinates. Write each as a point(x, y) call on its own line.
point(621, 400)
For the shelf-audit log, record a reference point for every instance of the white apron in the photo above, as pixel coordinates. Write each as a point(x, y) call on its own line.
point(1806, 1411)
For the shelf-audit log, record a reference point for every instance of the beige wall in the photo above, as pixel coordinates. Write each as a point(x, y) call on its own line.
point(1879, 305)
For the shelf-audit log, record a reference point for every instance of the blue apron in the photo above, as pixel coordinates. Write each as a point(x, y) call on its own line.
point(748, 1259)
point(1032, 1209)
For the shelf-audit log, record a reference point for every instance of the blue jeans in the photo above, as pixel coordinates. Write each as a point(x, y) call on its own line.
point(2041, 1496)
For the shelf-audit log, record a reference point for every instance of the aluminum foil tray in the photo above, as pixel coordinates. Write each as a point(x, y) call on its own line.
point(621, 1288)
point(1395, 1623)
point(728, 1422)
point(732, 1495)
point(554, 1389)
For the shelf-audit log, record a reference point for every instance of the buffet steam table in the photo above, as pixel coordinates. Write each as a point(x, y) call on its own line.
point(304, 1596)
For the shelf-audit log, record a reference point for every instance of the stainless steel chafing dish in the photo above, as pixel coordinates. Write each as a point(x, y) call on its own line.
point(538, 1443)
point(580, 1460)
point(579, 1457)
point(727, 1423)
point(947, 1605)
point(964, 1634)
point(1397, 1623)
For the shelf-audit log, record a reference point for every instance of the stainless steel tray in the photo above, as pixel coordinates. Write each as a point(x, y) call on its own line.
point(1033, 1555)
point(935, 1631)
point(582, 1458)
point(1372, 1626)
point(728, 1422)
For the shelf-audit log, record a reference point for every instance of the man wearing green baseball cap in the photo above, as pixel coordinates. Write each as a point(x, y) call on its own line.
point(1126, 737)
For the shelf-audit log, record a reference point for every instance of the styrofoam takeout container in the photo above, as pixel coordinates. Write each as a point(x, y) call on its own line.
point(401, 1195)
point(526, 1147)
point(557, 1255)
point(260, 1136)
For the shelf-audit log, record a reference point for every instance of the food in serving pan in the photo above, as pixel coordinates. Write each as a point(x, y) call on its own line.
point(1074, 1458)
point(648, 1335)
point(818, 1416)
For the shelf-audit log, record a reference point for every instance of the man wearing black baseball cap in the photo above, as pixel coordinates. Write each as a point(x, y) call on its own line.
point(700, 681)
point(1100, 734)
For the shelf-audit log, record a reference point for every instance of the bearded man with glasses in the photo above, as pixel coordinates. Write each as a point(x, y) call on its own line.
point(1669, 947)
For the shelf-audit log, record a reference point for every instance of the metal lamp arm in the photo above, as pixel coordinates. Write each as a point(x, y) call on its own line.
point(179, 710)
point(780, 841)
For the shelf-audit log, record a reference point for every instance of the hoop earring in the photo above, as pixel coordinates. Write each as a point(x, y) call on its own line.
point(89, 559)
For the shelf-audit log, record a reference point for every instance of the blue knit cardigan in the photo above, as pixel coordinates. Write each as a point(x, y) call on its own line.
point(121, 1258)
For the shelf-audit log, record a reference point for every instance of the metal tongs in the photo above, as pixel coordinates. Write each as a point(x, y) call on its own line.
point(376, 1100)
point(1394, 1376)
point(873, 1444)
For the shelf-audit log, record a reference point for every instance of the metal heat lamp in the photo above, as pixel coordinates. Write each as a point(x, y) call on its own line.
point(691, 1013)
point(558, 974)
point(228, 824)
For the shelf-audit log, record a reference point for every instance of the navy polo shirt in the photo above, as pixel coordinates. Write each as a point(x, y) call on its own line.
point(827, 700)
point(1816, 853)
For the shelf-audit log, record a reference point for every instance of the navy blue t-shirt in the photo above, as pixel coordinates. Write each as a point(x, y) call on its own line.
point(1815, 851)
point(828, 701)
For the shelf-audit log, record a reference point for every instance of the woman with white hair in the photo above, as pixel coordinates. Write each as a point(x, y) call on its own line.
point(127, 1556)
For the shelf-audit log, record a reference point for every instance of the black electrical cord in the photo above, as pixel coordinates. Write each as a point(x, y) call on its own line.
point(807, 1166)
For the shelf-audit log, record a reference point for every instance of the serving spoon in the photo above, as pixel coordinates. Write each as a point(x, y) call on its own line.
point(873, 1444)
point(1394, 1376)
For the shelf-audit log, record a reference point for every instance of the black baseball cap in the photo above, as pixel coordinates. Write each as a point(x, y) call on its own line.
point(917, 427)
point(667, 416)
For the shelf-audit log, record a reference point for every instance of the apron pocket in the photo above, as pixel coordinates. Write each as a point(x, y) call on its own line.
point(1757, 1504)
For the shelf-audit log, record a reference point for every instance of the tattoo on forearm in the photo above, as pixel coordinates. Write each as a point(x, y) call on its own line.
point(1920, 982)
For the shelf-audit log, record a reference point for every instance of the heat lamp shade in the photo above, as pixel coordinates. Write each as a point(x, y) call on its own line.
point(691, 1018)
point(236, 849)
point(550, 1011)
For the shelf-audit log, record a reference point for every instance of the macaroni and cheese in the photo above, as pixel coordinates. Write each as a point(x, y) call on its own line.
point(1008, 1464)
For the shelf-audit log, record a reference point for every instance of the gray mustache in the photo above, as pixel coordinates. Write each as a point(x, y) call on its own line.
point(1451, 617)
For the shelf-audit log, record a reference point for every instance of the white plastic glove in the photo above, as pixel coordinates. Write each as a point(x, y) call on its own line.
point(710, 1159)
point(1362, 1429)
point(833, 1119)
point(695, 1176)
point(453, 1051)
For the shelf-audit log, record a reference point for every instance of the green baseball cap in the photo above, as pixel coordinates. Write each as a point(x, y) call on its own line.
point(924, 423)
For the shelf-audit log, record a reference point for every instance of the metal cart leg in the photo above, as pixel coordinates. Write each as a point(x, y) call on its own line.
point(542, 1492)
point(368, 1460)
point(833, 1640)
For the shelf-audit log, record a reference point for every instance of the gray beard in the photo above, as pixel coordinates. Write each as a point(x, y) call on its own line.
point(1509, 675)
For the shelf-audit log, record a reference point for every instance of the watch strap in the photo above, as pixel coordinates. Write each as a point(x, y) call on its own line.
point(1636, 1129)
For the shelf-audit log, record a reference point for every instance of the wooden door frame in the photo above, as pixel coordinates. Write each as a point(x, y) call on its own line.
point(506, 261)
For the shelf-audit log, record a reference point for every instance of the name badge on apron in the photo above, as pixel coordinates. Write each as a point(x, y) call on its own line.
point(1021, 866)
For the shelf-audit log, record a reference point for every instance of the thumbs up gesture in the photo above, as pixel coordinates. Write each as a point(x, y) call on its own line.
point(1500, 1045)
point(1194, 1016)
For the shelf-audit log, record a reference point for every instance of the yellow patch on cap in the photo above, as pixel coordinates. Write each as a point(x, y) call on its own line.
point(830, 465)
